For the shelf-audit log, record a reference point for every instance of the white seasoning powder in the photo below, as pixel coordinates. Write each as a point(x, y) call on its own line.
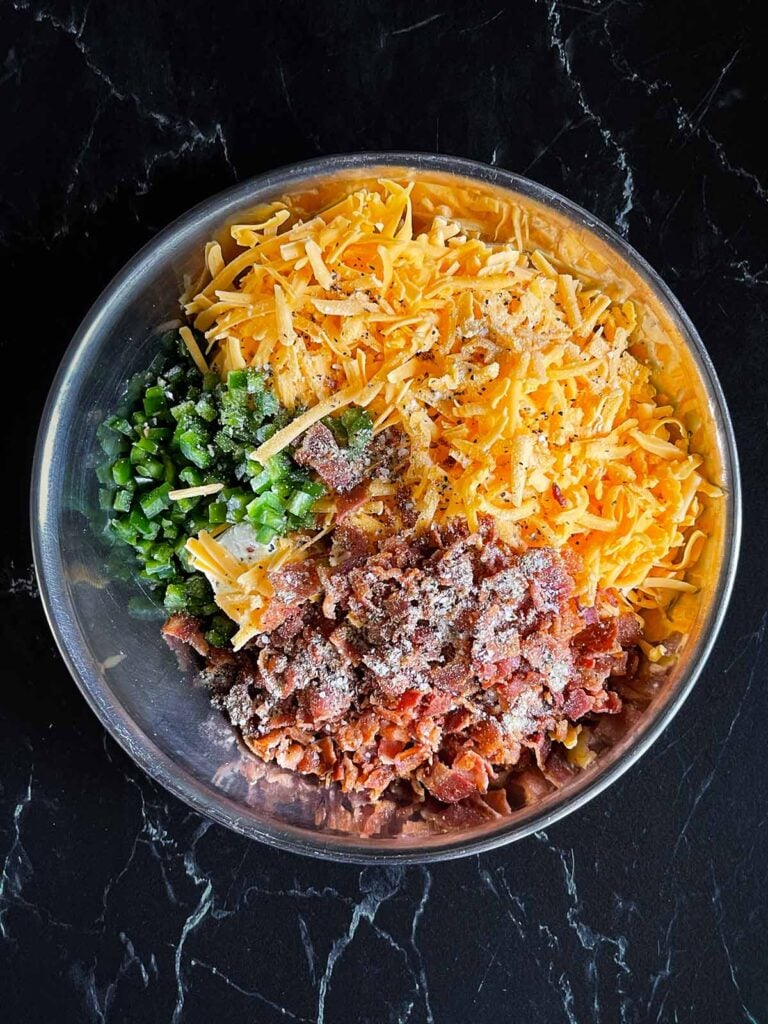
point(522, 719)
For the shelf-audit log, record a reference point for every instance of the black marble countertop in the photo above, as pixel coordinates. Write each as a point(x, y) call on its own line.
point(117, 903)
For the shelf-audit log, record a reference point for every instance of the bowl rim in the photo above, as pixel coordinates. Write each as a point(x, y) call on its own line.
point(138, 745)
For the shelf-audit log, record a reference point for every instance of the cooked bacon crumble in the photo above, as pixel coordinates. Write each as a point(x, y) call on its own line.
point(441, 662)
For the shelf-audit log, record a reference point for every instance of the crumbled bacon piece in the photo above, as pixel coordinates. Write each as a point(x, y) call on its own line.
point(628, 630)
point(447, 784)
point(320, 451)
point(475, 810)
point(181, 629)
point(343, 471)
point(351, 501)
point(295, 582)
point(577, 704)
point(558, 495)
point(596, 638)
point(498, 801)
point(557, 770)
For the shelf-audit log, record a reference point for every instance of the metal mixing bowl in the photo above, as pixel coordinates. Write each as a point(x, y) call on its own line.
point(121, 664)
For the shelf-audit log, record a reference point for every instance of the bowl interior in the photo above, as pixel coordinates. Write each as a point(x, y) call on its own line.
point(132, 680)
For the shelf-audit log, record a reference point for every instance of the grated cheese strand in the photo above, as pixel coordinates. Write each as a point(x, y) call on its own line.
point(195, 492)
point(194, 349)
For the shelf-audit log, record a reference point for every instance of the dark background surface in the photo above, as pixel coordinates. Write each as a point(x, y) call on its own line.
point(117, 904)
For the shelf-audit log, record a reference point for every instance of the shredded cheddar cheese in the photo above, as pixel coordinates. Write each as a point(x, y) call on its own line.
point(243, 590)
point(194, 349)
point(515, 378)
point(195, 492)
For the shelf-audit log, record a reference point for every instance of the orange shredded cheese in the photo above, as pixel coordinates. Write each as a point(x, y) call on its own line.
point(195, 492)
point(508, 370)
point(194, 349)
point(241, 589)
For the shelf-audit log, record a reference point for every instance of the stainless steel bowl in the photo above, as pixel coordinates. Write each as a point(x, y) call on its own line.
point(122, 666)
